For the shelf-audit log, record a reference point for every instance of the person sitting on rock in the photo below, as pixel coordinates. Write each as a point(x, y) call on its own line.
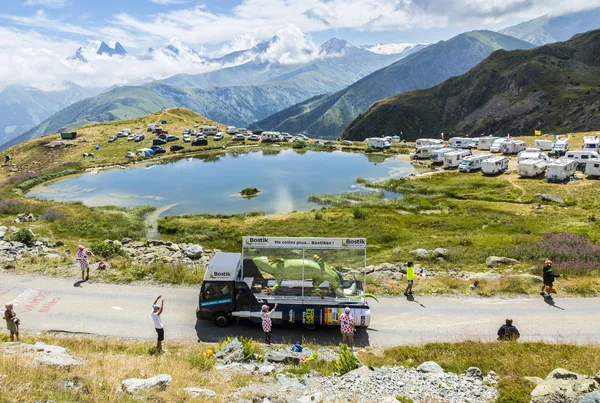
point(508, 332)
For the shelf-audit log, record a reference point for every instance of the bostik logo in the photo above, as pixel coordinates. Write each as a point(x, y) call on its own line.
point(217, 274)
point(355, 241)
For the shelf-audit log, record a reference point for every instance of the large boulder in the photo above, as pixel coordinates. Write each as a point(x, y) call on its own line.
point(562, 386)
point(233, 352)
point(494, 261)
point(592, 397)
point(422, 253)
point(43, 354)
point(549, 198)
point(440, 252)
point(430, 367)
point(137, 385)
point(193, 251)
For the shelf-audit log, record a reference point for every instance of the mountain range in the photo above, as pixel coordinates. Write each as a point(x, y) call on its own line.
point(555, 87)
point(326, 116)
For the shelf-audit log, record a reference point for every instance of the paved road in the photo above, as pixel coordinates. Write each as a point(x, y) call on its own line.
point(45, 304)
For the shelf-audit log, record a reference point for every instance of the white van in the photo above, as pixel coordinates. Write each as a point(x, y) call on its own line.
point(593, 168)
point(561, 146)
point(472, 162)
point(590, 143)
point(582, 157)
point(209, 130)
point(428, 142)
point(485, 143)
point(459, 142)
point(437, 156)
point(531, 154)
point(231, 130)
point(544, 145)
point(560, 170)
point(380, 143)
point(530, 168)
point(454, 158)
point(271, 137)
point(494, 165)
point(513, 147)
point(423, 153)
point(152, 127)
point(497, 145)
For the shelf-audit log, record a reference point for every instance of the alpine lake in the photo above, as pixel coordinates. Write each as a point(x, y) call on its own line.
point(212, 184)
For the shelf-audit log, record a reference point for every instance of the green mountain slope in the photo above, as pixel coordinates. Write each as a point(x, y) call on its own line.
point(326, 116)
point(552, 88)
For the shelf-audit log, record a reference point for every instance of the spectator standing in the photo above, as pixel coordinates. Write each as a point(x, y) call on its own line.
point(12, 322)
point(548, 277)
point(267, 322)
point(82, 257)
point(157, 310)
point(347, 328)
point(410, 278)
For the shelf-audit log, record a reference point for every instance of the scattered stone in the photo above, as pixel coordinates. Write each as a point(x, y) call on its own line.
point(549, 198)
point(126, 241)
point(137, 385)
point(58, 243)
point(474, 372)
point(422, 253)
point(562, 386)
point(429, 367)
point(592, 397)
point(494, 261)
point(200, 392)
point(266, 370)
point(193, 251)
point(44, 354)
point(440, 252)
point(233, 352)
point(289, 382)
point(283, 358)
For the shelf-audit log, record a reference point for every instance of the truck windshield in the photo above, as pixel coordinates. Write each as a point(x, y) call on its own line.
point(216, 290)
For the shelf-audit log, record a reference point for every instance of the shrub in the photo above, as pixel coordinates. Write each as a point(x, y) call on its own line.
point(252, 349)
point(359, 214)
point(299, 144)
point(199, 360)
point(24, 236)
point(249, 192)
point(52, 215)
point(346, 361)
point(13, 207)
point(105, 249)
point(318, 215)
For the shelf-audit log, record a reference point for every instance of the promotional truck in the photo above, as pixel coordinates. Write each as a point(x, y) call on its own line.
point(311, 279)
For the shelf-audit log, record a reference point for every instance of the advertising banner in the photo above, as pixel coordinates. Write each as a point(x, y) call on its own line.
point(304, 243)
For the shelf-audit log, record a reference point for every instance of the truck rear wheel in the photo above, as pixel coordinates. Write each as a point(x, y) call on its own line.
point(221, 319)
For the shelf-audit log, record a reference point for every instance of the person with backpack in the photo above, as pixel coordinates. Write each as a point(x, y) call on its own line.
point(267, 322)
point(548, 279)
point(508, 332)
point(410, 278)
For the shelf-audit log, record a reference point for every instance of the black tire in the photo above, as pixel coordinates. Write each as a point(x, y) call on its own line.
point(221, 319)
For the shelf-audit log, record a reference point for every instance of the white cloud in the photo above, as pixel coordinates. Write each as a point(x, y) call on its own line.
point(46, 3)
point(169, 2)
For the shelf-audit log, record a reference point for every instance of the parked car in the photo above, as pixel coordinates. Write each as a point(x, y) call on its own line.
point(186, 138)
point(194, 132)
point(186, 131)
point(121, 134)
point(176, 147)
point(139, 138)
point(254, 137)
point(130, 137)
point(329, 143)
point(218, 136)
point(112, 138)
point(302, 137)
point(238, 137)
point(130, 154)
point(200, 141)
point(162, 136)
point(170, 138)
point(158, 142)
point(158, 149)
point(243, 131)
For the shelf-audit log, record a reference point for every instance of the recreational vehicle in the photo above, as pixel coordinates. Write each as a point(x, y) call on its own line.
point(530, 168)
point(152, 127)
point(560, 147)
point(582, 157)
point(231, 130)
point(497, 145)
point(424, 152)
point(494, 165)
point(472, 162)
point(473, 144)
point(531, 154)
point(544, 145)
point(429, 142)
point(593, 168)
point(560, 170)
point(485, 143)
point(209, 130)
point(271, 137)
point(454, 158)
point(437, 156)
point(459, 142)
point(380, 143)
point(590, 143)
point(513, 147)
point(395, 139)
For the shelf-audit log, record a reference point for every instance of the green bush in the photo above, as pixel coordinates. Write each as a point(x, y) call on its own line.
point(106, 250)
point(318, 215)
point(252, 349)
point(24, 236)
point(249, 192)
point(199, 360)
point(359, 214)
point(299, 144)
point(346, 361)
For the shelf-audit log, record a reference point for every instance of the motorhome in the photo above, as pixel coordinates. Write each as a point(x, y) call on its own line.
point(209, 130)
point(544, 145)
point(231, 130)
point(473, 144)
point(531, 154)
point(497, 145)
point(424, 152)
point(593, 168)
point(437, 156)
point(271, 137)
point(560, 147)
point(513, 147)
point(485, 143)
point(582, 157)
point(590, 143)
point(428, 142)
point(152, 127)
point(530, 168)
point(494, 165)
point(472, 162)
point(560, 170)
point(459, 142)
point(376, 142)
point(395, 139)
point(454, 158)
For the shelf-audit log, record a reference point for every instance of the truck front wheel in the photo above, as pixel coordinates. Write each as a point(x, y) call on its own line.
point(221, 319)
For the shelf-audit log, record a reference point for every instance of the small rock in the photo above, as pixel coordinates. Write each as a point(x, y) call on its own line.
point(494, 261)
point(474, 372)
point(592, 397)
point(109, 241)
point(138, 245)
point(59, 243)
point(233, 352)
point(200, 392)
point(549, 198)
point(440, 252)
point(193, 251)
point(266, 370)
point(422, 253)
point(292, 383)
point(429, 367)
point(282, 358)
point(136, 385)
point(126, 241)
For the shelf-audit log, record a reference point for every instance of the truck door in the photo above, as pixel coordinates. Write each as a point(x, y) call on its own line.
point(216, 301)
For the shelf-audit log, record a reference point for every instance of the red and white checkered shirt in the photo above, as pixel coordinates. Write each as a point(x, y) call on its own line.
point(347, 323)
point(266, 321)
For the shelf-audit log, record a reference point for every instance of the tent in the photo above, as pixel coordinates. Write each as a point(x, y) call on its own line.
point(145, 152)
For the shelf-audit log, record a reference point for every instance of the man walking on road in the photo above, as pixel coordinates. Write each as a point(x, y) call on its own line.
point(347, 327)
point(82, 257)
point(548, 276)
point(158, 325)
point(410, 277)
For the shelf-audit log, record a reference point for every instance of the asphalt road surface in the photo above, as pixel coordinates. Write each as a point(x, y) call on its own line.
point(48, 304)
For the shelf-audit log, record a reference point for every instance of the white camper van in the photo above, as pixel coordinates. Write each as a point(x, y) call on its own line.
point(424, 152)
point(459, 142)
point(530, 168)
point(152, 127)
point(590, 143)
point(485, 143)
point(593, 168)
point(271, 137)
point(494, 165)
point(437, 155)
point(209, 130)
point(560, 170)
point(513, 147)
point(454, 158)
point(531, 154)
point(582, 157)
point(544, 145)
point(472, 162)
point(380, 143)
point(561, 146)
point(497, 145)
point(428, 142)
point(231, 130)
